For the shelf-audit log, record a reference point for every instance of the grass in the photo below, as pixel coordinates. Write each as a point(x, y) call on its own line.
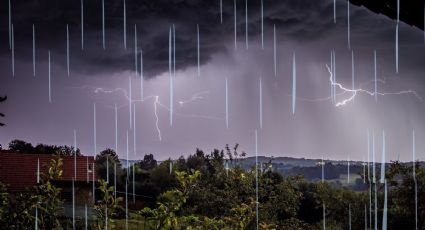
point(135, 222)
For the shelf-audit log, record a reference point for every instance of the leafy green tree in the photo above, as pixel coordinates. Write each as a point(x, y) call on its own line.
point(162, 179)
point(401, 184)
point(180, 164)
point(279, 198)
point(17, 209)
point(219, 189)
point(20, 146)
point(4, 201)
point(49, 203)
point(243, 215)
point(165, 215)
point(107, 208)
point(200, 192)
point(148, 162)
point(105, 162)
point(233, 155)
point(56, 150)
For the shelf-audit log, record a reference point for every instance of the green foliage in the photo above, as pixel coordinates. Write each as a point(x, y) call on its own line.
point(16, 210)
point(148, 162)
point(63, 150)
point(401, 183)
point(170, 203)
point(110, 154)
point(173, 210)
point(4, 201)
point(105, 163)
point(243, 215)
point(158, 180)
point(201, 192)
point(49, 203)
point(107, 208)
point(279, 198)
point(20, 146)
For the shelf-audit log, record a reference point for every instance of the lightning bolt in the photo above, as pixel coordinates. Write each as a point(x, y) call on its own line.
point(354, 92)
point(195, 97)
point(156, 104)
point(322, 99)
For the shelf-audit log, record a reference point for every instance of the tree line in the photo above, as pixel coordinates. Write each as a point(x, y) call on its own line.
point(200, 192)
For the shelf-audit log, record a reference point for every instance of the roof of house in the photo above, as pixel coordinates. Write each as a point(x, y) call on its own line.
point(19, 170)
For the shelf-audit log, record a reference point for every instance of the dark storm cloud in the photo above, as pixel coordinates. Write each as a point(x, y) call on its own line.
point(299, 20)
point(303, 26)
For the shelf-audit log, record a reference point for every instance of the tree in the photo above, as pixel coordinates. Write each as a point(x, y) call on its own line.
point(56, 150)
point(65, 150)
point(20, 146)
point(106, 162)
point(201, 193)
point(4, 201)
point(279, 199)
point(170, 203)
point(2, 99)
point(401, 184)
point(16, 210)
point(196, 161)
point(161, 180)
point(148, 162)
point(243, 215)
point(107, 207)
point(108, 153)
point(49, 203)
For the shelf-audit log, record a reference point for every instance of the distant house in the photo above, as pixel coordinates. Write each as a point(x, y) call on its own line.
point(20, 170)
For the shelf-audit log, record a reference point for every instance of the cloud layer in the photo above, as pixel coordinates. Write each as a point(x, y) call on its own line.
point(303, 26)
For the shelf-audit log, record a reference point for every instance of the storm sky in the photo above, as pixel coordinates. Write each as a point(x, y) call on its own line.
point(303, 27)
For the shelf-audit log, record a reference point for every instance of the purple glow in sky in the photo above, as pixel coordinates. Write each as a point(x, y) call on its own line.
point(101, 76)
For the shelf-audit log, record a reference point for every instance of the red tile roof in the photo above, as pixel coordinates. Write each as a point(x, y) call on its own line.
point(19, 170)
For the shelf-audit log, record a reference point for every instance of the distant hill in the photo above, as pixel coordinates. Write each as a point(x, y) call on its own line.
point(335, 172)
point(292, 162)
point(124, 162)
